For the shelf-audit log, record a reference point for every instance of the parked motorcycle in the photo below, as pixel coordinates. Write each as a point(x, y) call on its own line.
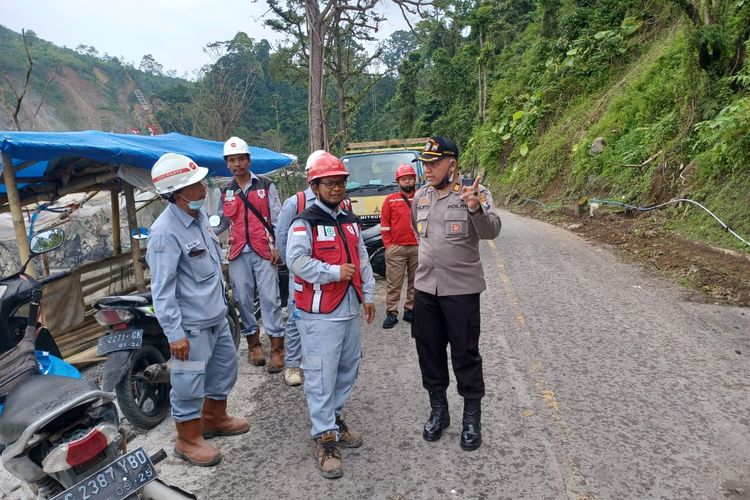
point(58, 434)
point(375, 249)
point(137, 351)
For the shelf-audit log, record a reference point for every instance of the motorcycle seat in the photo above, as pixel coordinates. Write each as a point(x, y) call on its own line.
point(39, 399)
point(132, 300)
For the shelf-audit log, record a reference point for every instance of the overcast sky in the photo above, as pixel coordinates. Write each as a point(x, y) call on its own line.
point(173, 31)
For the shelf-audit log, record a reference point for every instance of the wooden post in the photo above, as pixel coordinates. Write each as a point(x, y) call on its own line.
point(14, 201)
point(116, 230)
point(135, 245)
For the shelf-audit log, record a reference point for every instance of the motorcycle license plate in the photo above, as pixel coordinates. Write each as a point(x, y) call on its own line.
point(116, 481)
point(121, 341)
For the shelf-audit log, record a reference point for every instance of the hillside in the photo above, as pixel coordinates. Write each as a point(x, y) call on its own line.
point(87, 92)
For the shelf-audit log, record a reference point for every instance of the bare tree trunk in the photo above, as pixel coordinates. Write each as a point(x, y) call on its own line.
point(316, 94)
point(342, 132)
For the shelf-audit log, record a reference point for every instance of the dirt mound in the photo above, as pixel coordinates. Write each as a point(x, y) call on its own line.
point(720, 276)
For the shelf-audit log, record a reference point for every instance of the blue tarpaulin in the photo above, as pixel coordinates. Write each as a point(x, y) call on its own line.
point(55, 150)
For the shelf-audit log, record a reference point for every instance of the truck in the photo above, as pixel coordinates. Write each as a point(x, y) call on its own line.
point(372, 169)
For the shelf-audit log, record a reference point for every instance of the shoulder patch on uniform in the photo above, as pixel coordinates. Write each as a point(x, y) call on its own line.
point(299, 230)
point(456, 188)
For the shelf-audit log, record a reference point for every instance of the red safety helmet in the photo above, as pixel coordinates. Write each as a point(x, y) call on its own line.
point(404, 170)
point(325, 165)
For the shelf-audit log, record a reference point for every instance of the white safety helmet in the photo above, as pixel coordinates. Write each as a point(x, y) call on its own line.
point(174, 171)
point(310, 159)
point(235, 146)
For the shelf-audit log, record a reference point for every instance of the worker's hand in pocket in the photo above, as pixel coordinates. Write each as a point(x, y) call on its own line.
point(180, 349)
point(369, 312)
point(275, 258)
point(346, 272)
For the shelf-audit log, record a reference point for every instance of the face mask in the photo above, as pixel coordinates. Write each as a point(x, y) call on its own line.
point(446, 180)
point(195, 204)
point(407, 189)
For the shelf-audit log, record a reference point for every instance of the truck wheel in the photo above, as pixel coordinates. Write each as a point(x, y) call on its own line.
point(144, 404)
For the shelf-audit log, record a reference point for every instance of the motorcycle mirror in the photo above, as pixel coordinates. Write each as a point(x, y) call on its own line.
point(139, 234)
point(214, 221)
point(46, 240)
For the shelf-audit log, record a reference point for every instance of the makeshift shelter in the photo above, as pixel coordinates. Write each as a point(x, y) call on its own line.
point(42, 167)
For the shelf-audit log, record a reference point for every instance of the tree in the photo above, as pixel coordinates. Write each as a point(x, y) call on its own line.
point(149, 65)
point(21, 94)
point(311, 23)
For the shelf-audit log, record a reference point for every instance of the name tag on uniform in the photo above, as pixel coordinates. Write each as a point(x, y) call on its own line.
point(192, 244)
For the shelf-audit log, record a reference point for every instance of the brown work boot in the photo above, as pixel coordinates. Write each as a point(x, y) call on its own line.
point(328, 456)
point(277, 355)
point(216, 422)
point(347, 437)
point(254, 350)
point(191, 446)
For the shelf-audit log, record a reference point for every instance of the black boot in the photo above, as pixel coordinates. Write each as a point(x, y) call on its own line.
point(471, 434)
point(439, 417)
point(390, 320)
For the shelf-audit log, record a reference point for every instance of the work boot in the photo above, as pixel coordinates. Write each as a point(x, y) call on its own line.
point(471, 434)
point(254, 350)
point(277, 355)
point(191, 446)
point(347, 438)
point(328, 456)
point(408, 315)
point(390, 320)
point(216, 422)
point(439, 417)
point(293, 376)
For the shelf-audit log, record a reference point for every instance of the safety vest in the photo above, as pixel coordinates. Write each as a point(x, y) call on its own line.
point(334, 242)
point(246, 228)
point(346, 203)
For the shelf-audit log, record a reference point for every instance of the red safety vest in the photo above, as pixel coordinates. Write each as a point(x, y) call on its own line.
point(333, 242)
point(246, 228)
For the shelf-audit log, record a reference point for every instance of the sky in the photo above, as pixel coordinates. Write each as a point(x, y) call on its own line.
point(173, 31)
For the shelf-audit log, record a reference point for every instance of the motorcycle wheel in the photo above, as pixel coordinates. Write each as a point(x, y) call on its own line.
point(144, 404)
point(234, 326)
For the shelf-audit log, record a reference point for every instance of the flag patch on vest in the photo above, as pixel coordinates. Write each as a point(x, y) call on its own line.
point(299, 230)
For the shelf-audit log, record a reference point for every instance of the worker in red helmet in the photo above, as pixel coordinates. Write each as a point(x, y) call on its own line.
point(333, 280)
point(401, 250)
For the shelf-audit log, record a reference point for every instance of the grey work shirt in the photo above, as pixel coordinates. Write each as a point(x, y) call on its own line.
point(449, 235)
point(186, 280)
point(288, 212)
point(301, 263)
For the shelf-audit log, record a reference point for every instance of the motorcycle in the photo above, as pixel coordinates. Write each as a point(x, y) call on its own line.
point(61, 435)
point(137, 353)
point(375, 249)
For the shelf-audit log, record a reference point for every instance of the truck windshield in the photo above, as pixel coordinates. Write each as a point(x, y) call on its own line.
point(377, 169)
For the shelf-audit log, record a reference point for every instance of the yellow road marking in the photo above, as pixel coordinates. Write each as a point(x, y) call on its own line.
point(541, 385)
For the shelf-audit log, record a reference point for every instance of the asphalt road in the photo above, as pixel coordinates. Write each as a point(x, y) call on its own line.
point(602, 382)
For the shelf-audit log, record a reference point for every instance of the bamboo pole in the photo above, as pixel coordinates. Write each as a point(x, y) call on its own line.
point(135, 245)
point(14, 201)
point(116, 239)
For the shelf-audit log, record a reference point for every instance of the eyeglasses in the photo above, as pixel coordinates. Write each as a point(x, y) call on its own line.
point(331, 184)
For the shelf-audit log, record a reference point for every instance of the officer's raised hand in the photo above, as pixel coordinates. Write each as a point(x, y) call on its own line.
point(180, 349)
point(346, 272)
point(470, 195)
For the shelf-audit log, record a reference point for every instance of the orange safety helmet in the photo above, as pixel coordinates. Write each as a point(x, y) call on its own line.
point(325, 165)
point(404, 170)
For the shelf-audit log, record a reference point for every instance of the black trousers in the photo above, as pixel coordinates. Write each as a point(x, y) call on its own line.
point(450, 320)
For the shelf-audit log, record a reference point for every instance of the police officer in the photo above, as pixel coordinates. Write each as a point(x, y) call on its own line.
point(251, 205)
point(292, 207)
point(189, 301)
point(450, 219)
point(400, 244)
point(333, 277)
